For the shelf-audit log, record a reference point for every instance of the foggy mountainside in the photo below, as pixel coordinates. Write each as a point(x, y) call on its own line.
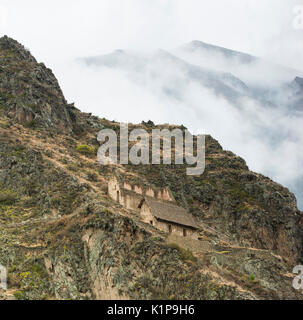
point(66, 233)
point(252, 106)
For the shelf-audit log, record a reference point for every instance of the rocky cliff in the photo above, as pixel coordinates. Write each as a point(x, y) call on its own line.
point(29, 91)
point(62, 237)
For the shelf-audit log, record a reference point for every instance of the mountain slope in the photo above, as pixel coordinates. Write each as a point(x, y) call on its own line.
point(62, 237)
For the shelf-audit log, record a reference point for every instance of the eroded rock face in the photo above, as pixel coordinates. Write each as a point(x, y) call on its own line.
point(110, 257)
point(114, 259)
point(30, 92)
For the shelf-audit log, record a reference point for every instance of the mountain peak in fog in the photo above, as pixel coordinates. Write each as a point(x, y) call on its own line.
point(299, 81)
point(197, 45)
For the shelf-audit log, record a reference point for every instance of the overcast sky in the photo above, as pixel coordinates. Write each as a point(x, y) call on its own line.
point(60, 29)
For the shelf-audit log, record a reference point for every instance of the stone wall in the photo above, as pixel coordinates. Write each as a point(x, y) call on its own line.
point(146, 215)
point(177, 230)
point(164, 195)
point(114, 189)
point(150, 192)
point(131, 200)
point(125, 196)
point(130, 195)
point(127, 186)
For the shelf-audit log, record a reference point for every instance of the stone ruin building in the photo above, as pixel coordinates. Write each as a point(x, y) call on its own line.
point(156, 207)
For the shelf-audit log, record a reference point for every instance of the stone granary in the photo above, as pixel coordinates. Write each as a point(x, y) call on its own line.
point(168, 217)
point(155, 206)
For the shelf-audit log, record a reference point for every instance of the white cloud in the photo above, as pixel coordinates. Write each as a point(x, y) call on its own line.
point(57, 29)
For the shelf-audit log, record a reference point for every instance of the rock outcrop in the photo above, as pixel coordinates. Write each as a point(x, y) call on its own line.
point(30, 92)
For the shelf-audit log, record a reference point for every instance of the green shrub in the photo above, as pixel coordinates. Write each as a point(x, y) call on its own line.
point(238, 193)
point(86, 150)
point(33, 124)
point(19, 295)
point(185, 254)
point(92, 176)
point(7, 197)
point(155, 238)
point(252, 277)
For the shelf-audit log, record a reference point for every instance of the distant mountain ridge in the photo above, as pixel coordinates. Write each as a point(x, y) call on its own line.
point(232, 58)
point(196, 45)
point(199, 53)
point(223, 83)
